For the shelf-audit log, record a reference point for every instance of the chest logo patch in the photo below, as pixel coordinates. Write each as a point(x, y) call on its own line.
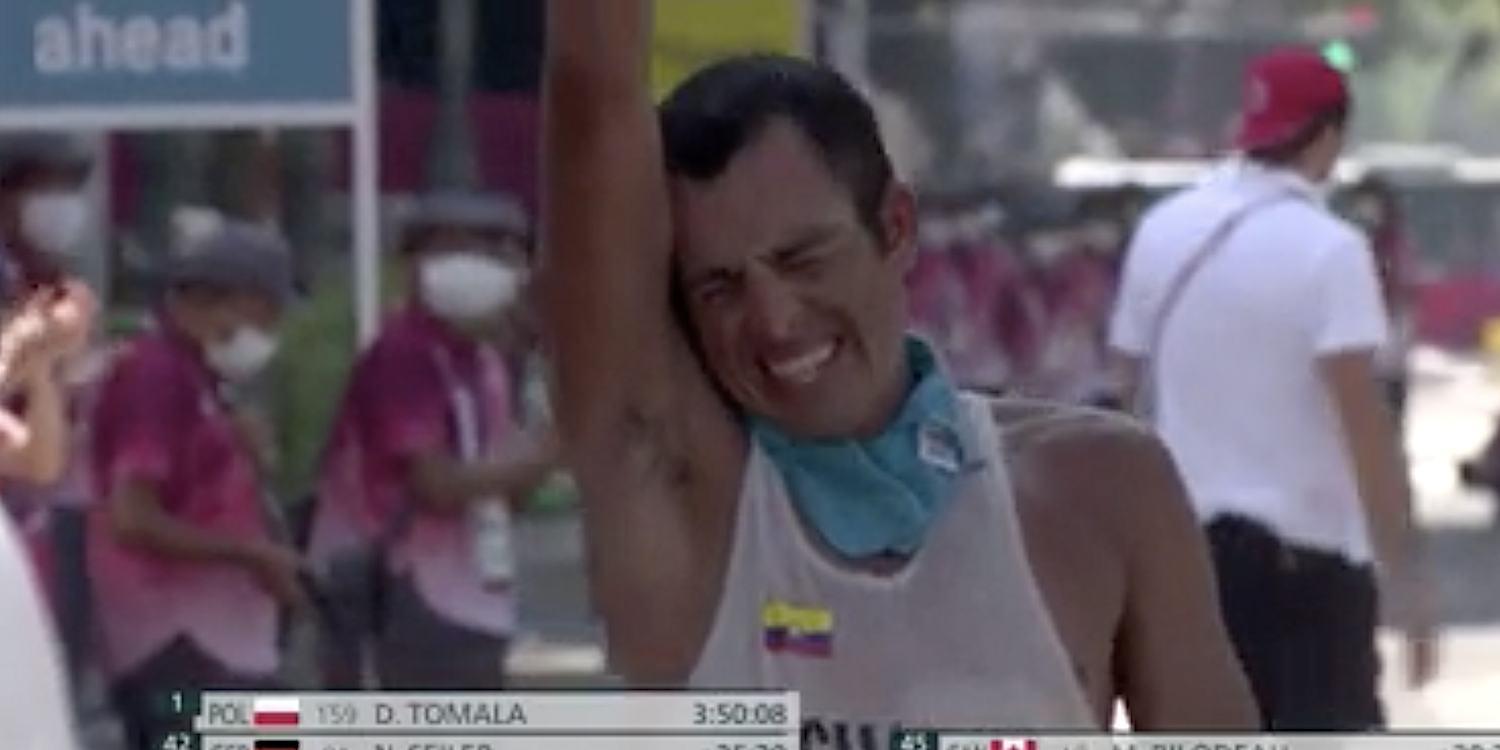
point(796, 629)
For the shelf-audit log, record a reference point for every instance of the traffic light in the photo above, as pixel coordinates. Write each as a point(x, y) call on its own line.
point(1362, 18)
point(1340, 54)
point(1351, 35)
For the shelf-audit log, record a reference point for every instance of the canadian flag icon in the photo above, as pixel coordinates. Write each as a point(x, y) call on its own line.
point(1012, 744)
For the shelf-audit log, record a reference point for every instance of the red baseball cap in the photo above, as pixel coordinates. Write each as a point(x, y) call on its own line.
point(1283, 91)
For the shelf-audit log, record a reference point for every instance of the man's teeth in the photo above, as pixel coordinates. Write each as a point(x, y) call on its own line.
point(803, 368)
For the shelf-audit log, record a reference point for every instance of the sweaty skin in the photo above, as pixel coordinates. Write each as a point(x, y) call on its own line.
point(1123, 567)
point(660, 456)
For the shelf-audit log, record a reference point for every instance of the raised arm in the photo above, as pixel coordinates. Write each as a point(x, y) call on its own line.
point(606, 230)
point(629, 396)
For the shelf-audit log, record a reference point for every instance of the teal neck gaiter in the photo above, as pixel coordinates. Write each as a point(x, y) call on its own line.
point(880, 495)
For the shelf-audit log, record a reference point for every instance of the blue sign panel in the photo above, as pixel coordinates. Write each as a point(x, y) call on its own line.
point(145, 54)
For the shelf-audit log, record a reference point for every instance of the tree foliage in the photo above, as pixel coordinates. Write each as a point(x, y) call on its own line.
point(1434, 68)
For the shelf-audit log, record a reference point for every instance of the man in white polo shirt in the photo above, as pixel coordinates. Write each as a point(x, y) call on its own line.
point(1248, 320)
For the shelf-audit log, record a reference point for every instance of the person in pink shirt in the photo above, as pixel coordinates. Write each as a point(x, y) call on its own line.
point(38, 335)
point(43, 216)
point(191, 575)
point(44, 212)
point(53, 516)
point(950, 285)
point(426, 463)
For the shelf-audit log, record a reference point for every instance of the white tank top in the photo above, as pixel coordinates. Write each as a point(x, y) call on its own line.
point(958, 638)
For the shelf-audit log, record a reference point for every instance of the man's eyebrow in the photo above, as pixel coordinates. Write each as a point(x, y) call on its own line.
point(701, 275)
point(808, 237)
point(802, 239)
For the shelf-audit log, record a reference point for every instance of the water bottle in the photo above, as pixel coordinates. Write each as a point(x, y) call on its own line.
point(535, 397)
point(492, 542)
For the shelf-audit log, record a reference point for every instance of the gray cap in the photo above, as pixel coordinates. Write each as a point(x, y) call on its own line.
point(31, 150)
point(485, 212)
point(239, 257)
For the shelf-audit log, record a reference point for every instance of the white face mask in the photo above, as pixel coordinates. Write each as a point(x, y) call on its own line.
point(55, 221)
point(1368, 213)
point(1102, 235)
point(1049, 249)
point(468, 285)
point(243, 354)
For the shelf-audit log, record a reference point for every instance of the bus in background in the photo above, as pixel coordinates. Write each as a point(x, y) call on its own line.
point(1450, 204)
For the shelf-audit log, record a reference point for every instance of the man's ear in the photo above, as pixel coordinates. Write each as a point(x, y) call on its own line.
point(898, 223)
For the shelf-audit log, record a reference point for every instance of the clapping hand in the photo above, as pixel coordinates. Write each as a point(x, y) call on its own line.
point(257, 436)
point(280, 572)
point(46, 329)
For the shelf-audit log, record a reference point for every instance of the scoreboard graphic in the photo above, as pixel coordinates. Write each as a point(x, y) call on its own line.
point(486, 721)
point(647, 720)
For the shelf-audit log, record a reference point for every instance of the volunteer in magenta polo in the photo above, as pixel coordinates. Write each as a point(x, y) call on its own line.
point(44, 218)
point(190, 577)
point(34, 341)
point(426, 457)
point(44, 214)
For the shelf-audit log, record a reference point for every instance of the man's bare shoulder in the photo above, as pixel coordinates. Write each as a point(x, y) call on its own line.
point(1078, 455)
point(1028, 425)
point(1099, 496)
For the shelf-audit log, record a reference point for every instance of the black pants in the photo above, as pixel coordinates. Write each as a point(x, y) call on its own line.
point(414, 648)
point(1304, 625)
point(72, 588)
point(1396, 391)
point(1106, 401)
point(141, 698)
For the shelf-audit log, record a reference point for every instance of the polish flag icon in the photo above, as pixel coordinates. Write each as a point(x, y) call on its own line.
point(276, 712)
point(1012, 744)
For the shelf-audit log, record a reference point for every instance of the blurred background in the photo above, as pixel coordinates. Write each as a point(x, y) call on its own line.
point(1022, 105)
point(1035, 131)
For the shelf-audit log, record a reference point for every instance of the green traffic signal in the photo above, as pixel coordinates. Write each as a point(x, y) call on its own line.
point(1340, 55)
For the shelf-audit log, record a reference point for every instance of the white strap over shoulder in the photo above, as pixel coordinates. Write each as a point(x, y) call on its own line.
point(1212, 246)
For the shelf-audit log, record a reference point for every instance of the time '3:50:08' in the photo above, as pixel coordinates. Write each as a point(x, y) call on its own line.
point(729, 713)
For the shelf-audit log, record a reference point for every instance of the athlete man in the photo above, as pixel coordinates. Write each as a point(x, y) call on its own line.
point(782, 489)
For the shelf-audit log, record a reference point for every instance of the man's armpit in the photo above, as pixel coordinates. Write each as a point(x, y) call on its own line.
point(675, 432)
point(655, 447)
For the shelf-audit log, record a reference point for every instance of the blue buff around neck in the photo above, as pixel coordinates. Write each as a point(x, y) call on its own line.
point(880, 495)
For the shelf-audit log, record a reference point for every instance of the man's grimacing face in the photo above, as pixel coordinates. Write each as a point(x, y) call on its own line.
point(799, 311)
